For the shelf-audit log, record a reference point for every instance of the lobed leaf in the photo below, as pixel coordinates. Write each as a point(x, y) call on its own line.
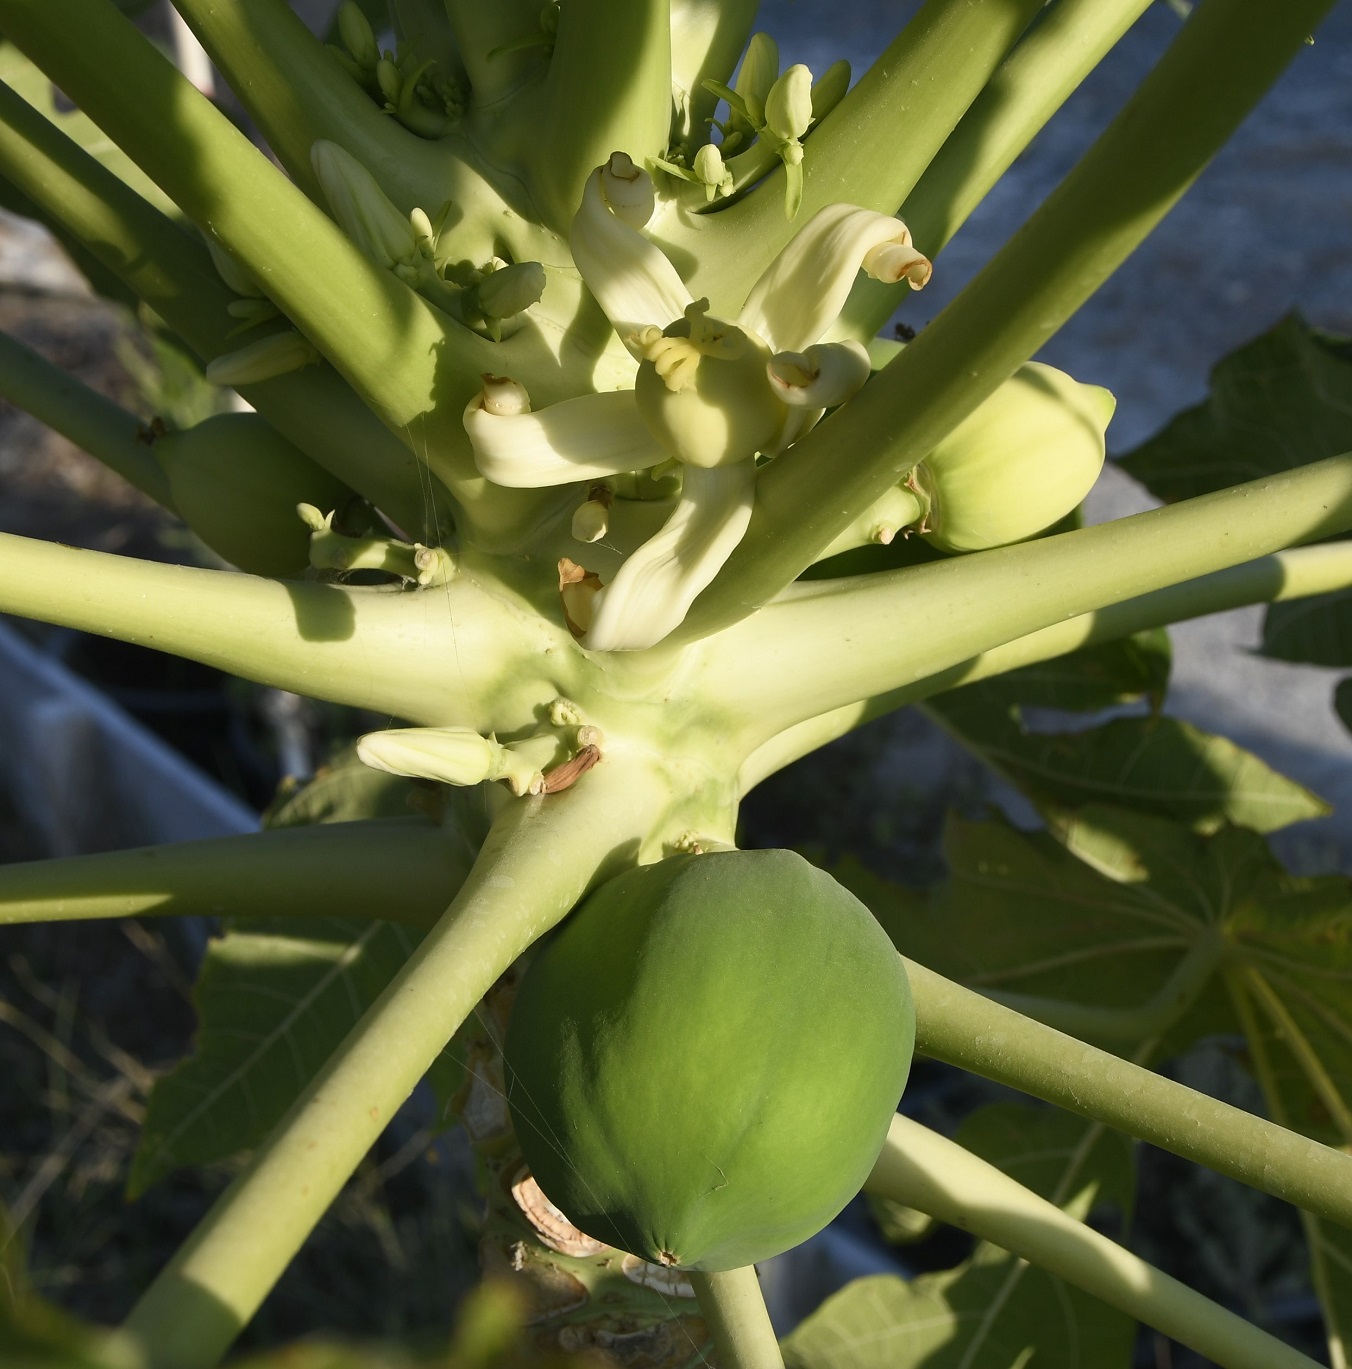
point(993, 1311)
point(1155, 764)
point(1280, 401)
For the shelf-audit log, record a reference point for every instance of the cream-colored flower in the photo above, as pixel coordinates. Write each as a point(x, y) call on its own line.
point(714, 394)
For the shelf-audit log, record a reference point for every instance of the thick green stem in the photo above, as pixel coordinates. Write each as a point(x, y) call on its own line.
point(445, 656)
point(732, 1305)
point(104, 429)
point(608, 89)
point(968, 1030)
point(539, 858)
point(407, 869)
point(481, 32)
point(171, 271)
point(876, 633)
point(1065, 44)
point(407, 360)
point(1225, 57)
point(1286, 575)
point(922, 1169)
point(871, 149)
point(297, 93)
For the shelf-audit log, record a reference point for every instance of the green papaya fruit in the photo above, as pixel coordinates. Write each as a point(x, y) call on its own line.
point(703, 1061)
point(1019, 463)
point(236, 481)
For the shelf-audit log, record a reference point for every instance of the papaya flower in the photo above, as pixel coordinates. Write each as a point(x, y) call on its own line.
point(711, 396)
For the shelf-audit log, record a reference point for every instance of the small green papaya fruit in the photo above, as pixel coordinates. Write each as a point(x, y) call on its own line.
point(702, 1063)
point(1019, 463)
point(236, 481)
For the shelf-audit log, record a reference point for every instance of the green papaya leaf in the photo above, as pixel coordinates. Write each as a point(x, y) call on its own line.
point(1156, 764)
point(1281, 401)
point(276, 996)
point(1104, 932)
point(36, 1335)
point(272, 1005)
point(1342, 701)
point(1094, 677)
point(1313, 631)
point(1294, 991)
point(343, 790)
point(993, 1311)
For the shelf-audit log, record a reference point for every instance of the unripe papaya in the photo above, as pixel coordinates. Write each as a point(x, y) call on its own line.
point(702, 1063)
point(236, 481)
point(1024, 459)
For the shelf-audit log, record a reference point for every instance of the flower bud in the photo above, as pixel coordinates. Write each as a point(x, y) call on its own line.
point(788, 106)
point(758, 72)
point(389, 80)
point(712, 172)
point(510, 290)
point(423, 232)
point(275, 355)
point(591, 521)
point(450, 755)
point(355, 31)
point(1024, 459)
point(232, 271)
point(361, 207)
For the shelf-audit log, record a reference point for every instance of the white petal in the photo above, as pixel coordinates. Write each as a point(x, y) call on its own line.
point(805, 287)
point(820, 376)
point(653, 590)
point(633, 282)
point(577, 439)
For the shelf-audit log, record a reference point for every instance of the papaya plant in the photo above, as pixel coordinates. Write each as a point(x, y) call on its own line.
point(575, 453)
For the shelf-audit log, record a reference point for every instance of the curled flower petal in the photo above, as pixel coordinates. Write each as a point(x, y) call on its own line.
point(653, 590)
point(632, 280)
point(577, 439)
point(821, 376)
point(628, 190)
point(804, 289)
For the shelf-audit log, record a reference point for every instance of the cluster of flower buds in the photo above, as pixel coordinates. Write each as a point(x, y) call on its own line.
point(424, 99)
point(769, 115)
point(491, 299)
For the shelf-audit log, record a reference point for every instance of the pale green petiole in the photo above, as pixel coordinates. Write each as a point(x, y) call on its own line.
point(872, 634)
point(339, 869)
point(104, 429)
point(1292, 574)
point(539, 858)
point(966, 1029)
point(1062, 47)
point(921, 1169)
